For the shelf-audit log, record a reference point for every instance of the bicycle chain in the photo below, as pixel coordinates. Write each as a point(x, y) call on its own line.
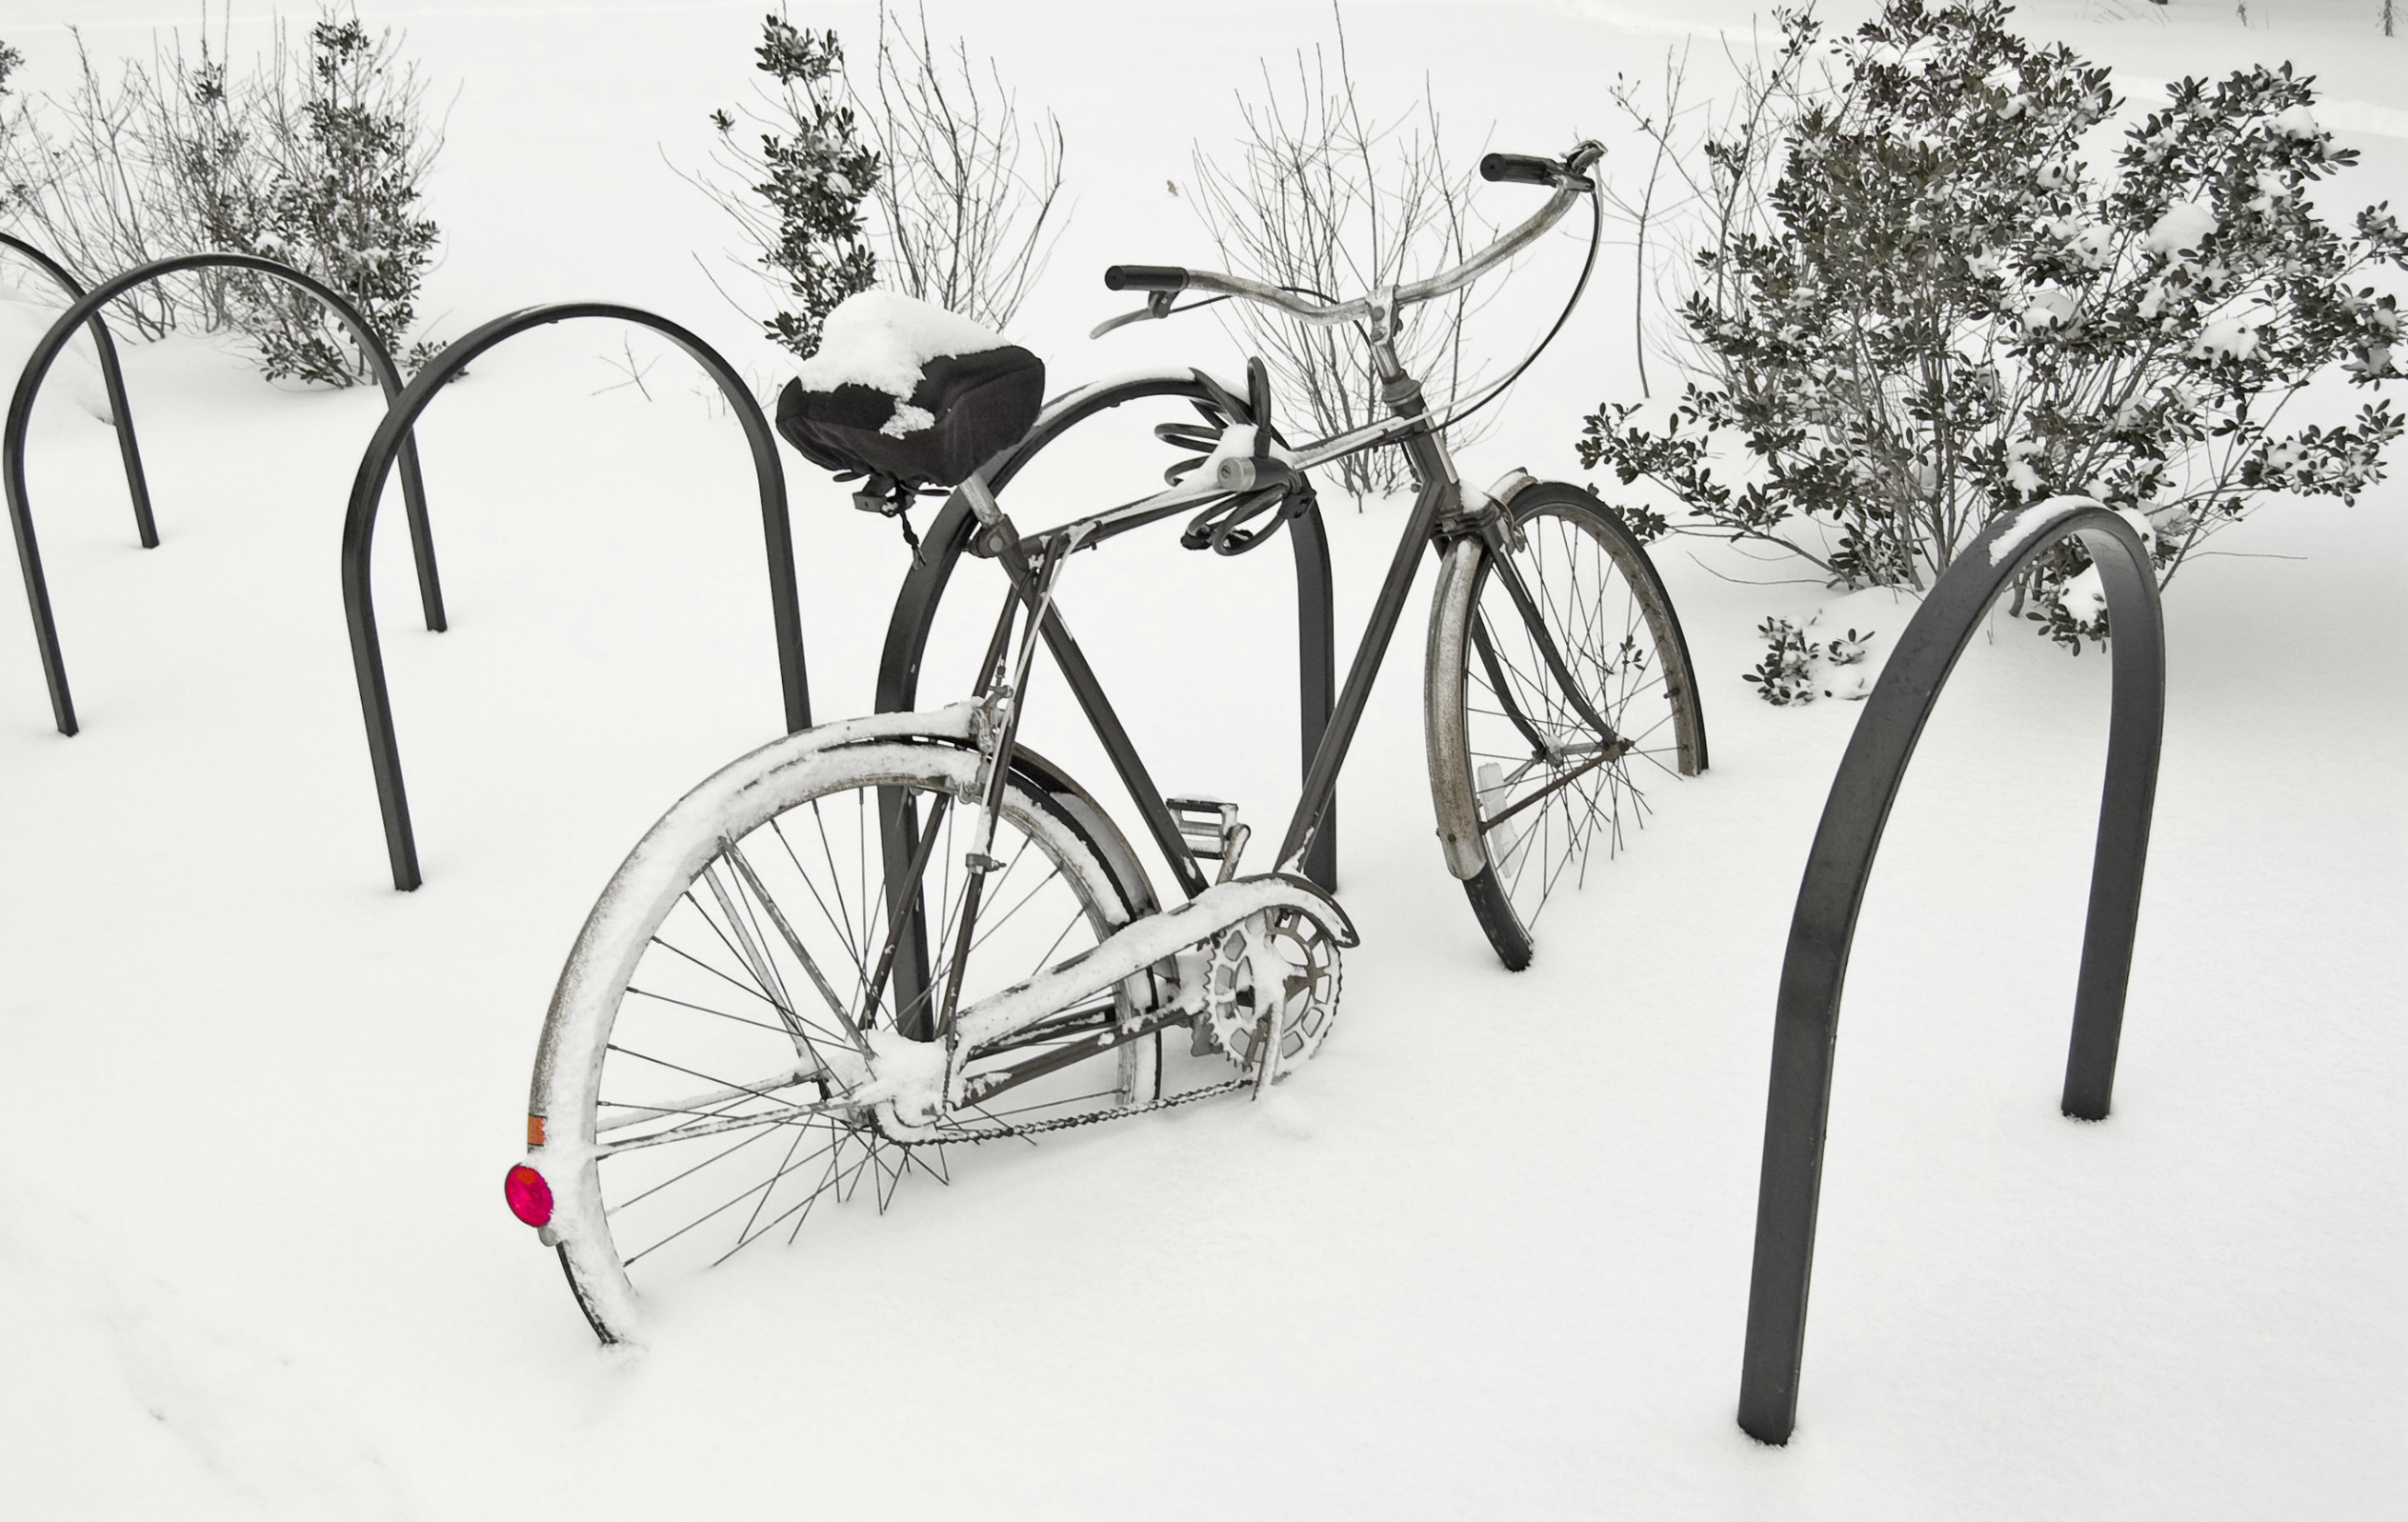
point(1070, 1122)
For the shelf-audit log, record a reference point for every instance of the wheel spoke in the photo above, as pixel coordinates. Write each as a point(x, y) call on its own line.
point(801, 1116)
point(685, 1061)
point(1547, 808)
point(794, 944)
point(768, 1183)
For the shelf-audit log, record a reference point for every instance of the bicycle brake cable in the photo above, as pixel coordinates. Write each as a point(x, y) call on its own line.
point(1588, 267)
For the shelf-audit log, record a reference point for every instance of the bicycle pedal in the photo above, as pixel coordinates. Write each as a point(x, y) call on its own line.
point(1209, 826)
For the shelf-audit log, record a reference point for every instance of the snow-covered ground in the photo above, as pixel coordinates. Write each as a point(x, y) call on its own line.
point(1487, 1255)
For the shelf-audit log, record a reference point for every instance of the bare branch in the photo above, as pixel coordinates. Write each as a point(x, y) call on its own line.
point(1322, 196)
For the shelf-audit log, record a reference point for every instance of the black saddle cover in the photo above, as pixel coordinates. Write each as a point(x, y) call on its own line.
point(980, 403)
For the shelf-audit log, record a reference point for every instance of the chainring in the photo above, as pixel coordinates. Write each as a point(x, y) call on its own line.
point(1285, 950)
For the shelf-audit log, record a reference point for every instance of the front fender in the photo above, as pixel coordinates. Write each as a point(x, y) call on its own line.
point(1451, 796)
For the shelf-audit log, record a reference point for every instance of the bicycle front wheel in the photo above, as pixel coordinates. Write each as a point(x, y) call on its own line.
point(687, 1102)
point(1526, 788)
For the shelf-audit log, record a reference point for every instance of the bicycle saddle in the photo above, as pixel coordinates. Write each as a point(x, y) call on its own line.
point(908, 391)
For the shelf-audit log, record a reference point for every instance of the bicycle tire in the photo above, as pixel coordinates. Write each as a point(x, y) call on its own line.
point(637, 1010)
point(1488, 708)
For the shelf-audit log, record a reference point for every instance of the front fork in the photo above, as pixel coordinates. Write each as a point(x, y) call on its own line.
point(1492, 521)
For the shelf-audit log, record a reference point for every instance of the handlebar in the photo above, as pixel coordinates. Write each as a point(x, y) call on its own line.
point(1520, 167)
point(1145, 278)
point(1569, 177)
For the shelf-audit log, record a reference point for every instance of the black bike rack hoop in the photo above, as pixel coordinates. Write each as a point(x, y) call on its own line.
point(392, 438)
point(947, 537)
point(87, 309)
point(1806, 1023)
point(113, 378)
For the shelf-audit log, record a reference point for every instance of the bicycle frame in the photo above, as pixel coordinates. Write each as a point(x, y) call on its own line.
point(1438, 518)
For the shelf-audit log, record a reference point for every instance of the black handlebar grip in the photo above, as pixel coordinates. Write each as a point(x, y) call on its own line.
point(1520, 167)
point(1145, 278)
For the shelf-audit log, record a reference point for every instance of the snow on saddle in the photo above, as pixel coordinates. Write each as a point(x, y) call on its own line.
point(908, 391)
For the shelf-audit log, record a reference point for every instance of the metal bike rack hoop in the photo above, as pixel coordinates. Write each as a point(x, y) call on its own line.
point(948, 535)
point(1806, 1024)
point(392, 438)
point(113, 379)
point(87, 309)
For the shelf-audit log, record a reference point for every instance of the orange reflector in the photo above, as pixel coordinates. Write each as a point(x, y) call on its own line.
point(535, 1131)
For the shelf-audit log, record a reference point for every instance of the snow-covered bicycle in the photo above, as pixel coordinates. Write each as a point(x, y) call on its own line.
point(877, 937)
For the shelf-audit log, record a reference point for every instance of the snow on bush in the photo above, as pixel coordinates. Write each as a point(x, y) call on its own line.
point(317, 162)
point(1826, 657)
point(1936, 312)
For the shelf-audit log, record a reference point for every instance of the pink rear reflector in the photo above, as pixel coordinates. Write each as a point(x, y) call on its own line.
point(530, 1197)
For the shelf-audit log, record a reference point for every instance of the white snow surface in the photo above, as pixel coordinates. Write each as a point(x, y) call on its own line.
point(75, 374)
point(881, 339)
point(1486, 1254)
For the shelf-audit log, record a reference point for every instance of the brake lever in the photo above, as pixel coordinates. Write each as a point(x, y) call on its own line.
point(1157, 305)
point(1577, 163)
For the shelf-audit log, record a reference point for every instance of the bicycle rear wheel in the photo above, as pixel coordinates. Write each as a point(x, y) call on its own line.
point(1524, 787)
point(686, 1096)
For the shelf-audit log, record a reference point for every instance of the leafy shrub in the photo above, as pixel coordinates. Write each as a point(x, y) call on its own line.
point(1784, 675)
point(318, 168)
point(314, 159)
point(918, 184)
point(1947, 316)
point(800, 208)
point(1798, 669)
